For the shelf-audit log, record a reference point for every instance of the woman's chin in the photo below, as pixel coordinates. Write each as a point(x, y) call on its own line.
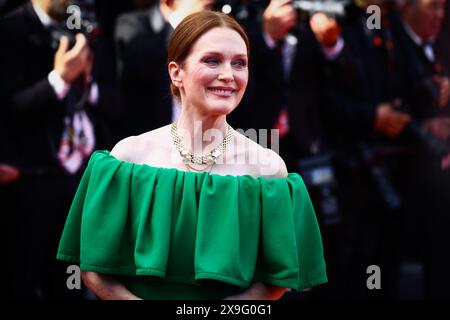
point(221, 108)
point(224, 110)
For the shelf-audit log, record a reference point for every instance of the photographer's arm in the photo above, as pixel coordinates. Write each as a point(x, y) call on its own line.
point(40, 96)
point(45, 93)
point(278, 19)
point(105, 287)
point(328, 33)
point(389, 121)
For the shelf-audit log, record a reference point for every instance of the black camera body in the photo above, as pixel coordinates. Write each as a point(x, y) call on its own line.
point(80, 18)
point(332, 8)
point(318, 173)
point(89, 29)
point(423, 103)
point(242, 9)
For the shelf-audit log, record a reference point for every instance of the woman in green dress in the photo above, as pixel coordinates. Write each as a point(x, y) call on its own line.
point(195, 210)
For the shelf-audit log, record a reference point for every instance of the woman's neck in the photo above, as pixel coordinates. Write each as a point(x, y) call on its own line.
point(201, 133)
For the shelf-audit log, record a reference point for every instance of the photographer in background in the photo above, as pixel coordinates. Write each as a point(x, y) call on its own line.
point(337, 82)
point(428, 100)
point(380, 103)
point(50, 135)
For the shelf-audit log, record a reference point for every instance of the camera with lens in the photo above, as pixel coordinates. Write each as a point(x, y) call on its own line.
point(333, 8)
point(319, 175)
point(380, 177)
point(423, 102)
point(80, 18)
point(242, 9)
point(306, 8)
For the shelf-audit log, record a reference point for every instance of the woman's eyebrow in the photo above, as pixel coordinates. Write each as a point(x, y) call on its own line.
point(243, 55)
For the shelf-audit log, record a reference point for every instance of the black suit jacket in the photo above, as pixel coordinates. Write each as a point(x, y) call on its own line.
point(8, 5)
point(141, 48)
point(422, 95)
point(32, 115)
point(442, 44)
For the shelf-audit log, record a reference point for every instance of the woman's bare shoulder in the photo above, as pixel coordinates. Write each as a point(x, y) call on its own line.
point(274, 166)
point(123, 150)
point(134, 148)
point(262, 161)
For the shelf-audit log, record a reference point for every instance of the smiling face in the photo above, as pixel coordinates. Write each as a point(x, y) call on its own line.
point(214, 75)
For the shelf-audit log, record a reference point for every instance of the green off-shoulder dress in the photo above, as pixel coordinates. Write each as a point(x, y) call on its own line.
point(171, 234)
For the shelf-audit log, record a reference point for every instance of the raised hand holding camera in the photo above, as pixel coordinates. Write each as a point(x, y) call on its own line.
point(279, 18)
point(71, 63)
point(177, 10)
point(326, 30)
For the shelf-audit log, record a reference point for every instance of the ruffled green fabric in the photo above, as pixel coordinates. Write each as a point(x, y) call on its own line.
point(167, 229)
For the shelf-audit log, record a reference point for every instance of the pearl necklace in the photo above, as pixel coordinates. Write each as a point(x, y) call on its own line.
point(190, 158)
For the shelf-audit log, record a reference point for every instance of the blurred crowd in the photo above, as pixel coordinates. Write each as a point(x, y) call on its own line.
point(361, 99)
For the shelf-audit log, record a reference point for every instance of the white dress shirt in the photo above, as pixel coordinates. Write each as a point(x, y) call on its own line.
point(427, 48)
